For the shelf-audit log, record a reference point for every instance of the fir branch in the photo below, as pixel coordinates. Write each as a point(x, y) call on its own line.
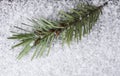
point(72, 26)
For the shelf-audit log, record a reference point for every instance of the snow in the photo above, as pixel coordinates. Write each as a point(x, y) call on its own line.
point(97, 54)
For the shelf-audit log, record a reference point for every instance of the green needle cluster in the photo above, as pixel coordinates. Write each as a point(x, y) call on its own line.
point(72, 25)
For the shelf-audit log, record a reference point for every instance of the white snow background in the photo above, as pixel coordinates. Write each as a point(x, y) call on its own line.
point(97, 54)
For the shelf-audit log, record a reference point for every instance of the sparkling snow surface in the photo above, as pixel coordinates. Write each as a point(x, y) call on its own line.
point(97, 54)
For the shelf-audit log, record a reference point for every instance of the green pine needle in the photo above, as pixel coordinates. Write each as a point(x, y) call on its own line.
point(72, 26)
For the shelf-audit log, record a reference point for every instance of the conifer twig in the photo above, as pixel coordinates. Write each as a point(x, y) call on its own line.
point(72, 26)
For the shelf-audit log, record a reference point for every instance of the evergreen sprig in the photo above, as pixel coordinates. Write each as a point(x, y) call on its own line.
point(72, 26)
